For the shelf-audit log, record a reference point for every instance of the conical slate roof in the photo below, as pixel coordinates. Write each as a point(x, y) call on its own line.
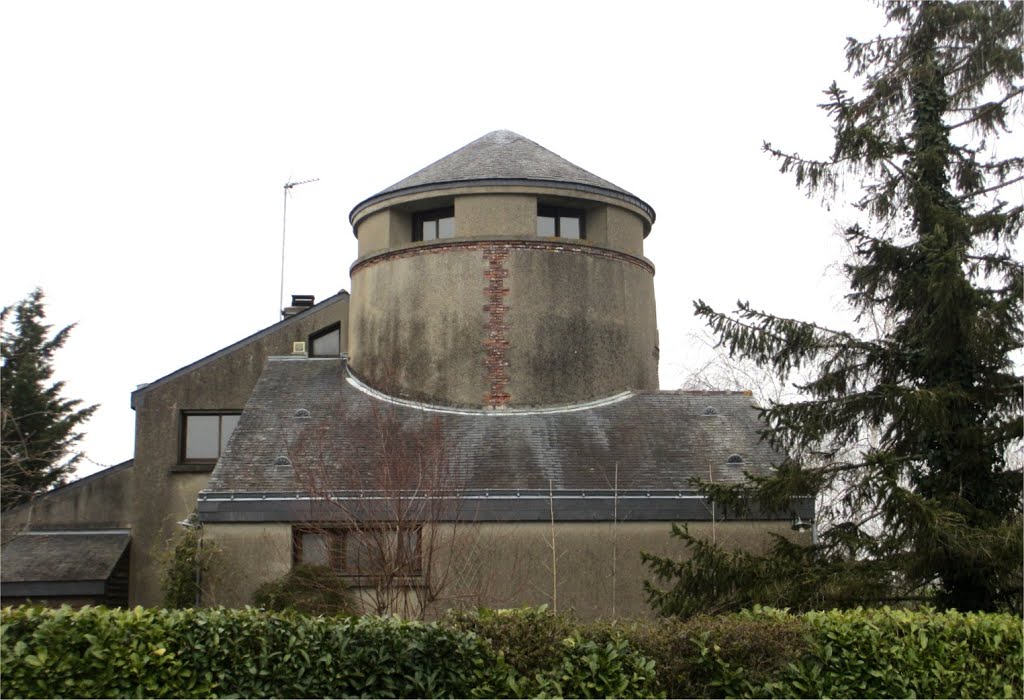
point(502, 158)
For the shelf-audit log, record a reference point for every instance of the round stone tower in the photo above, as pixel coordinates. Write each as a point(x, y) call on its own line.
point(503, 276)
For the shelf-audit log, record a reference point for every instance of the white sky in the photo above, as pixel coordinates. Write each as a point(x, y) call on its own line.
point(143, 149)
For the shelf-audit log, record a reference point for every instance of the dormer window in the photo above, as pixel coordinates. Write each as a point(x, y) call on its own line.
point(560, 222)
point(434, 224)
point(326, 342)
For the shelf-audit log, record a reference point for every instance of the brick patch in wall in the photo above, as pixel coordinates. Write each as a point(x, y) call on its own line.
point(496, 325)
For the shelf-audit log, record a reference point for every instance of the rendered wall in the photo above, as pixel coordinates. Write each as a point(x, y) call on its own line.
point(242, 558)
point(502, 215)
point(596, 571)
point(102, 500)
point(568, 322)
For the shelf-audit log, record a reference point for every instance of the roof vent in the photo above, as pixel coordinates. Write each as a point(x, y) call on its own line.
point(710, 411)
point(301, 413)
point(282, 462)
point(734, 459)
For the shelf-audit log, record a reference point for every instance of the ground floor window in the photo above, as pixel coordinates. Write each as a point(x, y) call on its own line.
point(370, 550)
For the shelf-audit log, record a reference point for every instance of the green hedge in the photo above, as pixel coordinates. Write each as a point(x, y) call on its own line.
point(96, 652)
point(552, 656)
point(900, 654)
point(707, 657)
point(771, 653)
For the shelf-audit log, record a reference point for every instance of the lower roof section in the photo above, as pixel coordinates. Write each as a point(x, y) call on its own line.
point(61, 563)
point(498, 506)
point(310, 429)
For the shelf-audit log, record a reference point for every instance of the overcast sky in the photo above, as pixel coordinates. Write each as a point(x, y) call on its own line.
point(145, 146)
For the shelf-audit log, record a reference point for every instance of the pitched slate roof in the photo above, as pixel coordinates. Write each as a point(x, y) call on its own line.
point(502, 157)
point(311, 415)
point(71, 556)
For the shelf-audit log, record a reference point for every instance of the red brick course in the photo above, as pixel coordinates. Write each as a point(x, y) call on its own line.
point(556, 246)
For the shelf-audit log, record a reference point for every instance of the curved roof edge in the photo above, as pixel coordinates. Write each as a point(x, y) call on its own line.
point(362, 386)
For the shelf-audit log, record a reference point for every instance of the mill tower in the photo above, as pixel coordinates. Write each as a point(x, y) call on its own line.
point(503, 276)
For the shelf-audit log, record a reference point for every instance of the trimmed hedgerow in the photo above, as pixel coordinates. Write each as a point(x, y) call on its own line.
point(901, 653)
point(552, 655)
point(95, 652)
point(771, 653)
point(528, 639)
point(707, 657)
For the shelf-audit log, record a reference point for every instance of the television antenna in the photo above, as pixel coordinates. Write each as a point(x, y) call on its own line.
point(284, 230)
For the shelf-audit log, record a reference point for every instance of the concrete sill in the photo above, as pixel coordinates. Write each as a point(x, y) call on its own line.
point(192, 468)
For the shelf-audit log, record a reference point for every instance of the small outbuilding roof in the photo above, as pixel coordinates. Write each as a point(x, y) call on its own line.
point(76, 558)
point(502, 157)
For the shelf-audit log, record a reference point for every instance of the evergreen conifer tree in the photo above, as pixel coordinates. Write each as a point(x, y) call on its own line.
point(39, 426)
point(904, 436)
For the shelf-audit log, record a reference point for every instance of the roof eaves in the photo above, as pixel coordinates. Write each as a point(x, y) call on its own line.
point(620, 195)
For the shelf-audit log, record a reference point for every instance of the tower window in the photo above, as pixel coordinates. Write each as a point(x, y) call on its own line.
point(434, 224)
point(560, 222)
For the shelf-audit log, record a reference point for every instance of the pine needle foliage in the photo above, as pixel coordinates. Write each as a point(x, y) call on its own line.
point(905, 433)
point(40, 426)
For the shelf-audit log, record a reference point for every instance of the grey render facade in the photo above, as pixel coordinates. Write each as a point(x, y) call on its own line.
point(491, 382)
